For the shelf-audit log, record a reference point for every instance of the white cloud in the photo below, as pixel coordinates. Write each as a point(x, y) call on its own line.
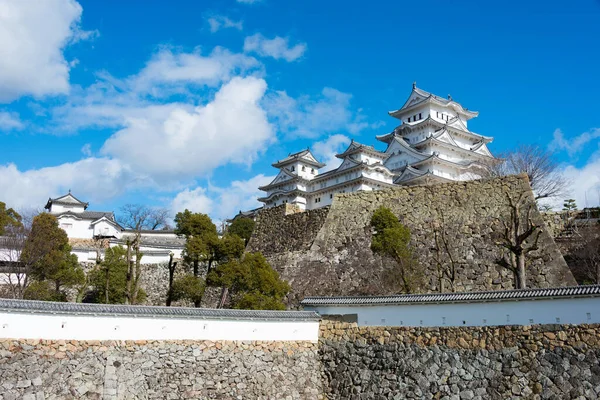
point(94, 179)
point(312, 117)
point(249, 1)
point(218, 22)
point(169, 68)
point(221, 203)
point(112, 102)
point(325, 150)
point(194, 200)
point(10, 121)
point(32, 39)
point(585, 183)
point(277, 47)
point(86, 150)
point(186, 141)
point(573, 145)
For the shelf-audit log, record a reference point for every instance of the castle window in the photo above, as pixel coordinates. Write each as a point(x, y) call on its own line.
point(415, 117)
point(303, 169)
point(331, 196)
point(408, 119)
point(420, 116)
point(312, 171)
point(293, 168)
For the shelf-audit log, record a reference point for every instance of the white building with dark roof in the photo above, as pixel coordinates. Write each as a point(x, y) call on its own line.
point(89, 231)
point(432, 144)
point(73, 217)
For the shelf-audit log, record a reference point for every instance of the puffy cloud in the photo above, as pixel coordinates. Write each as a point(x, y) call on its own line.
point(585, 183)
point(168, 69)
point(112, 101)
point(573, 145)
point(186, 141)
point(278, 47)
point(314, 116)
point(218, 22)
point(10, 121)
point(94, 179)
point(32, 39)
point(325, 150)
point(249, 1)
point(195, 200)
point(222, 202)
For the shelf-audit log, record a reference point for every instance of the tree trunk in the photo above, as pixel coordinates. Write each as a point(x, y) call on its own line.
point(107, 285)
point(224, 293)
point(171, 277)
point(129, 274)
point(196, 268)
point(138, 274)
point(521, 271)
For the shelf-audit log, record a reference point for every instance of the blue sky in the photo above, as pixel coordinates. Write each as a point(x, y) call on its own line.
point(186, 104)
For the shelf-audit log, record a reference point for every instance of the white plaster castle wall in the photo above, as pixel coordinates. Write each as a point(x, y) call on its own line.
point(522, 312)
point(76, 228)
point(104, 228)
point(100, 327)
point(85, 255)
point(58, 208)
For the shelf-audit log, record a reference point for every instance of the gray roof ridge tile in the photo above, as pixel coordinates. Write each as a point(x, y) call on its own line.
point(48, 307)
point(567, 291)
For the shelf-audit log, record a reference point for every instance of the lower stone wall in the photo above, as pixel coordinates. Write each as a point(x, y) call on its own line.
point(514, 362)
point(41, 369)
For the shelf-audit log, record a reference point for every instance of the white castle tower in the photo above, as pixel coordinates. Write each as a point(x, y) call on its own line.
point(432, 144)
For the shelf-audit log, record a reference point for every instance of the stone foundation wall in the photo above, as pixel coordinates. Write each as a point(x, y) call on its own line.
point(337, 259)
point(282, 229)
point(34, 369)
point(531, 362)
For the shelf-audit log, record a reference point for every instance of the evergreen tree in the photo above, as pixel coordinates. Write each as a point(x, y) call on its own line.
point(391, 239)
point(569, 205)
point(8, 218)
point(242, 227)
point(53, 268)
point(252, 283)
point(109, 280)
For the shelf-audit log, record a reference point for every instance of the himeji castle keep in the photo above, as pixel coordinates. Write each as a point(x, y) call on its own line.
point(431, 144)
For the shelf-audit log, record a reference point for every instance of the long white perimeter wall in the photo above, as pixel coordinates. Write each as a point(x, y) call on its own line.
point(584, 310)
point(253, 325)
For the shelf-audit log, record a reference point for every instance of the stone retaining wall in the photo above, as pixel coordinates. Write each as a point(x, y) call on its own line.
point(330, 254)
point(512, 362)
point(280, 230)
point(39, 369)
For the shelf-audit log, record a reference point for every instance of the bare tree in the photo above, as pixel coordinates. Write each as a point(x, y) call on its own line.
point(519, 237)
point(445, 250)
point(15, 270)
point(137, 218)
point(140, 217)
point(540, 166)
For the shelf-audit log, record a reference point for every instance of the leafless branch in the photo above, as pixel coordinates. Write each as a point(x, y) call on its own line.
point(540, 166)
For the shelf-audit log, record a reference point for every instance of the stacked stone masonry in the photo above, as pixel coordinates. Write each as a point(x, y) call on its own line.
point(327, 252)
point(41, 369)
point(512, 362)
